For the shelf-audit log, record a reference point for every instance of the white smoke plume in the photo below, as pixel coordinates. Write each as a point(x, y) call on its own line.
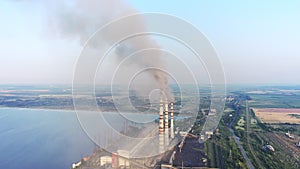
point(80, 19)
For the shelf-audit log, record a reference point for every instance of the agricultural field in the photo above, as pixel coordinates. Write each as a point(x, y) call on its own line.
point(271, 96)
point(278, 115)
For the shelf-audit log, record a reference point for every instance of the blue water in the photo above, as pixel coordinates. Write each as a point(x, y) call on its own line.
point(41, 139)
point(53, 139)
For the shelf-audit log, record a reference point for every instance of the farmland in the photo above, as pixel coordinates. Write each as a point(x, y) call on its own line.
point(264, 116)
point(278, 115)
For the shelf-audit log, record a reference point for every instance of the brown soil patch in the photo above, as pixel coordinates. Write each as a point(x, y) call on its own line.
point(277, 115)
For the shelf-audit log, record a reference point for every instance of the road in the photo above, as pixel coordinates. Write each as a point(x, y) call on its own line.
point(248, 131)
point(237, 141)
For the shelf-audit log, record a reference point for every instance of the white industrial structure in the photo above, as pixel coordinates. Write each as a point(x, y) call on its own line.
point(76, 165)
point(165, 131)
point(161, 126)
point(167, 123)
point(172, 120)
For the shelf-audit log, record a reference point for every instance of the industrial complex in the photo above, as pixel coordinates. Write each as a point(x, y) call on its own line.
point(171, 148)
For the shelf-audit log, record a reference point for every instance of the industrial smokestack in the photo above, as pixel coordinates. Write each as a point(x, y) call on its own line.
point(166, 122)
point(172, 120)
point(161, 126)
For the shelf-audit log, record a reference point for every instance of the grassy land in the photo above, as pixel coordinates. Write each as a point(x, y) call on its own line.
point(275, 101)
point(231, 155)
point(259, 135)
point(222, 151)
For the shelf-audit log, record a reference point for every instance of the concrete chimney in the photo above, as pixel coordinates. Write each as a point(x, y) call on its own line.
point(172, 120)
point(161, 126)
point(167, 123)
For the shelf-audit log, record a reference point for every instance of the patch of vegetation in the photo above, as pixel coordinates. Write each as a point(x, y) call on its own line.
point(295, 115)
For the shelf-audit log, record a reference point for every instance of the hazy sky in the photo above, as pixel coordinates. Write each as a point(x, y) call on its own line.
point(257, 41)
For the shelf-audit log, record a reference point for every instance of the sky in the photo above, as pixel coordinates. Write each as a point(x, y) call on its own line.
point(257, 41)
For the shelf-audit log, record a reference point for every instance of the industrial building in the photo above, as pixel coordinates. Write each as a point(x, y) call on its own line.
point(166, 131)
point(166, 141)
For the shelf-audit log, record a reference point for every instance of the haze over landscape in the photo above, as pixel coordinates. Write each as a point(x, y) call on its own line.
point(257, 41)
point(130, 84)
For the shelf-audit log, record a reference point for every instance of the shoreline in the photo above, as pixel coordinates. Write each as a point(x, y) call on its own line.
point(74, 111)
point(35, 108)
point(66, 110)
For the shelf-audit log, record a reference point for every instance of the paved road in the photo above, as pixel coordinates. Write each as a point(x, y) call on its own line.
point(237, 141)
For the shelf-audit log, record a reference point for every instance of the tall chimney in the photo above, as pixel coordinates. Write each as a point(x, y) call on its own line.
point(166, 123)
point(172, 120)
point(161, 126)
